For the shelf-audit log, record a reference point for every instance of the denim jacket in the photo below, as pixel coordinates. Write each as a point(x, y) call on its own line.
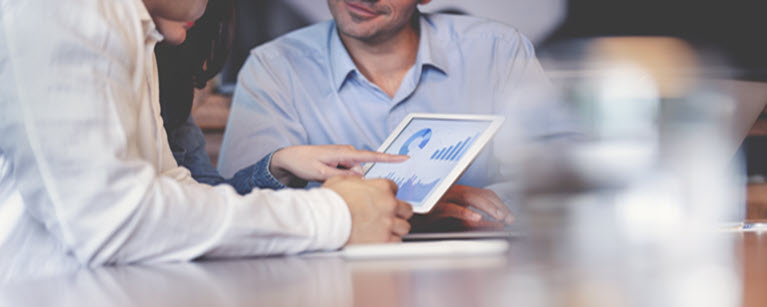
point(188, 145)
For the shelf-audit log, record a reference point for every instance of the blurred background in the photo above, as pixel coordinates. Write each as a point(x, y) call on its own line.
point(677, 50)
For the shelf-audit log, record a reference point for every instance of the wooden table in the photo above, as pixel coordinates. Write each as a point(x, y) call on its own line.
point(752, 258)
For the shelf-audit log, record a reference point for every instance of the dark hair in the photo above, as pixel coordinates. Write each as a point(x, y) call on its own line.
point(198, 59)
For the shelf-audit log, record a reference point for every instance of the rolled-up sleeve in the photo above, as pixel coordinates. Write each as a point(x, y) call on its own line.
point(83, 139)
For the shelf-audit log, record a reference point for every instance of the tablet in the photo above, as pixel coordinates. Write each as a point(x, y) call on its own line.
point(440, 146)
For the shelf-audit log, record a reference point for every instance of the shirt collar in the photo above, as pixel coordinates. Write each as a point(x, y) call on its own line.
point(151, 34)
point(341, 63)
point(429, 54)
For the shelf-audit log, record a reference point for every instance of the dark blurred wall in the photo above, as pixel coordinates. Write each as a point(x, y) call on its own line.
point(258, 21)
point(735, 28)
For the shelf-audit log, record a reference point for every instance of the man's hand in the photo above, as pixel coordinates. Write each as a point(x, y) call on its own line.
point(377, 216)
point(459, 200)
point(320, 162)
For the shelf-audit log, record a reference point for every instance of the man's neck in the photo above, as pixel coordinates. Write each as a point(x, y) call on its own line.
point(385, 62)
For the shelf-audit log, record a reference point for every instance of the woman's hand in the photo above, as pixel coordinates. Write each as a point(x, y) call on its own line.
point(320, 162)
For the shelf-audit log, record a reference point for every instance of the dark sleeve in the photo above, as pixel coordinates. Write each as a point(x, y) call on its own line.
point(188, 146)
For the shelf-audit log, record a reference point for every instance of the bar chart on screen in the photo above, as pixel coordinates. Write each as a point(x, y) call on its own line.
point(453, 152)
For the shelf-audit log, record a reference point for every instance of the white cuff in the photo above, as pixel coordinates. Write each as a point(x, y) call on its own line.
point(333, 220)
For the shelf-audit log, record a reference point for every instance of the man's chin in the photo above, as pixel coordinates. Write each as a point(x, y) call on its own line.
point(362, 34)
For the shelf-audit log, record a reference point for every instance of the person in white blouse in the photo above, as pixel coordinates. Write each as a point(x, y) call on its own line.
point(86, 174)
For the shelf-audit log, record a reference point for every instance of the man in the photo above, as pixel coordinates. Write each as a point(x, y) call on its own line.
point(86, 174)
point(353, 79)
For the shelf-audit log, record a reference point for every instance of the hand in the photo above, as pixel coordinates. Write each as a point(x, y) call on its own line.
point(320, 162)
point(377, 216)
point(459, 200)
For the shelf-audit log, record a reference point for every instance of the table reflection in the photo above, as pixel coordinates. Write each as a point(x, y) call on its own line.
point(521, 278)
point(288, 281)
point(267, 282)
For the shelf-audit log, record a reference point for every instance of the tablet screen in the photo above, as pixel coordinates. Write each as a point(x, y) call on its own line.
point(435, 147)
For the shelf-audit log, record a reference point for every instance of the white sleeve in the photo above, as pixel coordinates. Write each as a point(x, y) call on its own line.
point(74, 134)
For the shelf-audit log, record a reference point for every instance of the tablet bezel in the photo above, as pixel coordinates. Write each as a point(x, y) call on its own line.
point(474, 149)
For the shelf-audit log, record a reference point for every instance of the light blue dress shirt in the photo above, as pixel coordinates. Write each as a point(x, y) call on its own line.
point(304, 88)
point(188, 146)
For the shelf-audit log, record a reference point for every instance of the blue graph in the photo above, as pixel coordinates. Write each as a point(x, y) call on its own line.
point(453, 152)
point(423, 134)
point(411, 189)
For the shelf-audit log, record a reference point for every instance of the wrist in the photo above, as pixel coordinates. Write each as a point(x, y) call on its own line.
point(275, 168)
point(261, 177)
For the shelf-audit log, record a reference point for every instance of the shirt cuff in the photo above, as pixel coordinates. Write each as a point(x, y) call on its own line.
point(333, 220)
point(263, 178)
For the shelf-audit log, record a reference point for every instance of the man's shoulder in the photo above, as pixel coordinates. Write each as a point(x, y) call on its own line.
point(309, 41)
point(470, 28)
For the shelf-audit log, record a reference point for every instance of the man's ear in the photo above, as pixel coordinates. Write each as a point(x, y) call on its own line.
point(422, 2)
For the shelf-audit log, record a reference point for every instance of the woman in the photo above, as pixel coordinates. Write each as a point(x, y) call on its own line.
point(86, 173)
point(193, 63)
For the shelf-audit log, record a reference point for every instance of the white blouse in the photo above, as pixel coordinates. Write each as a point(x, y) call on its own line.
point(86, 173)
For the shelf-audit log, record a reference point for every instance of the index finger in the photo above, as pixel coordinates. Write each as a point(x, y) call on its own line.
point(365, 156)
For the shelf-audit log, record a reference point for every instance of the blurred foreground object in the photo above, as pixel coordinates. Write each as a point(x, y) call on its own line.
point(654, 179)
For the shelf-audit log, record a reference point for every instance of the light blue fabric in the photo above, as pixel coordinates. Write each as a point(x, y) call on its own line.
point(303, 88)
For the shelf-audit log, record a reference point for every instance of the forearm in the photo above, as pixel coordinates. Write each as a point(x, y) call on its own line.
point(143, 217)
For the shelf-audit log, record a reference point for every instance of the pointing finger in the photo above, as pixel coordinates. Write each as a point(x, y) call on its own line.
point(364, 156)
point(357, 168)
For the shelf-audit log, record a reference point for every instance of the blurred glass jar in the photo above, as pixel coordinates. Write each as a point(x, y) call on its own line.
point(651, 185)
